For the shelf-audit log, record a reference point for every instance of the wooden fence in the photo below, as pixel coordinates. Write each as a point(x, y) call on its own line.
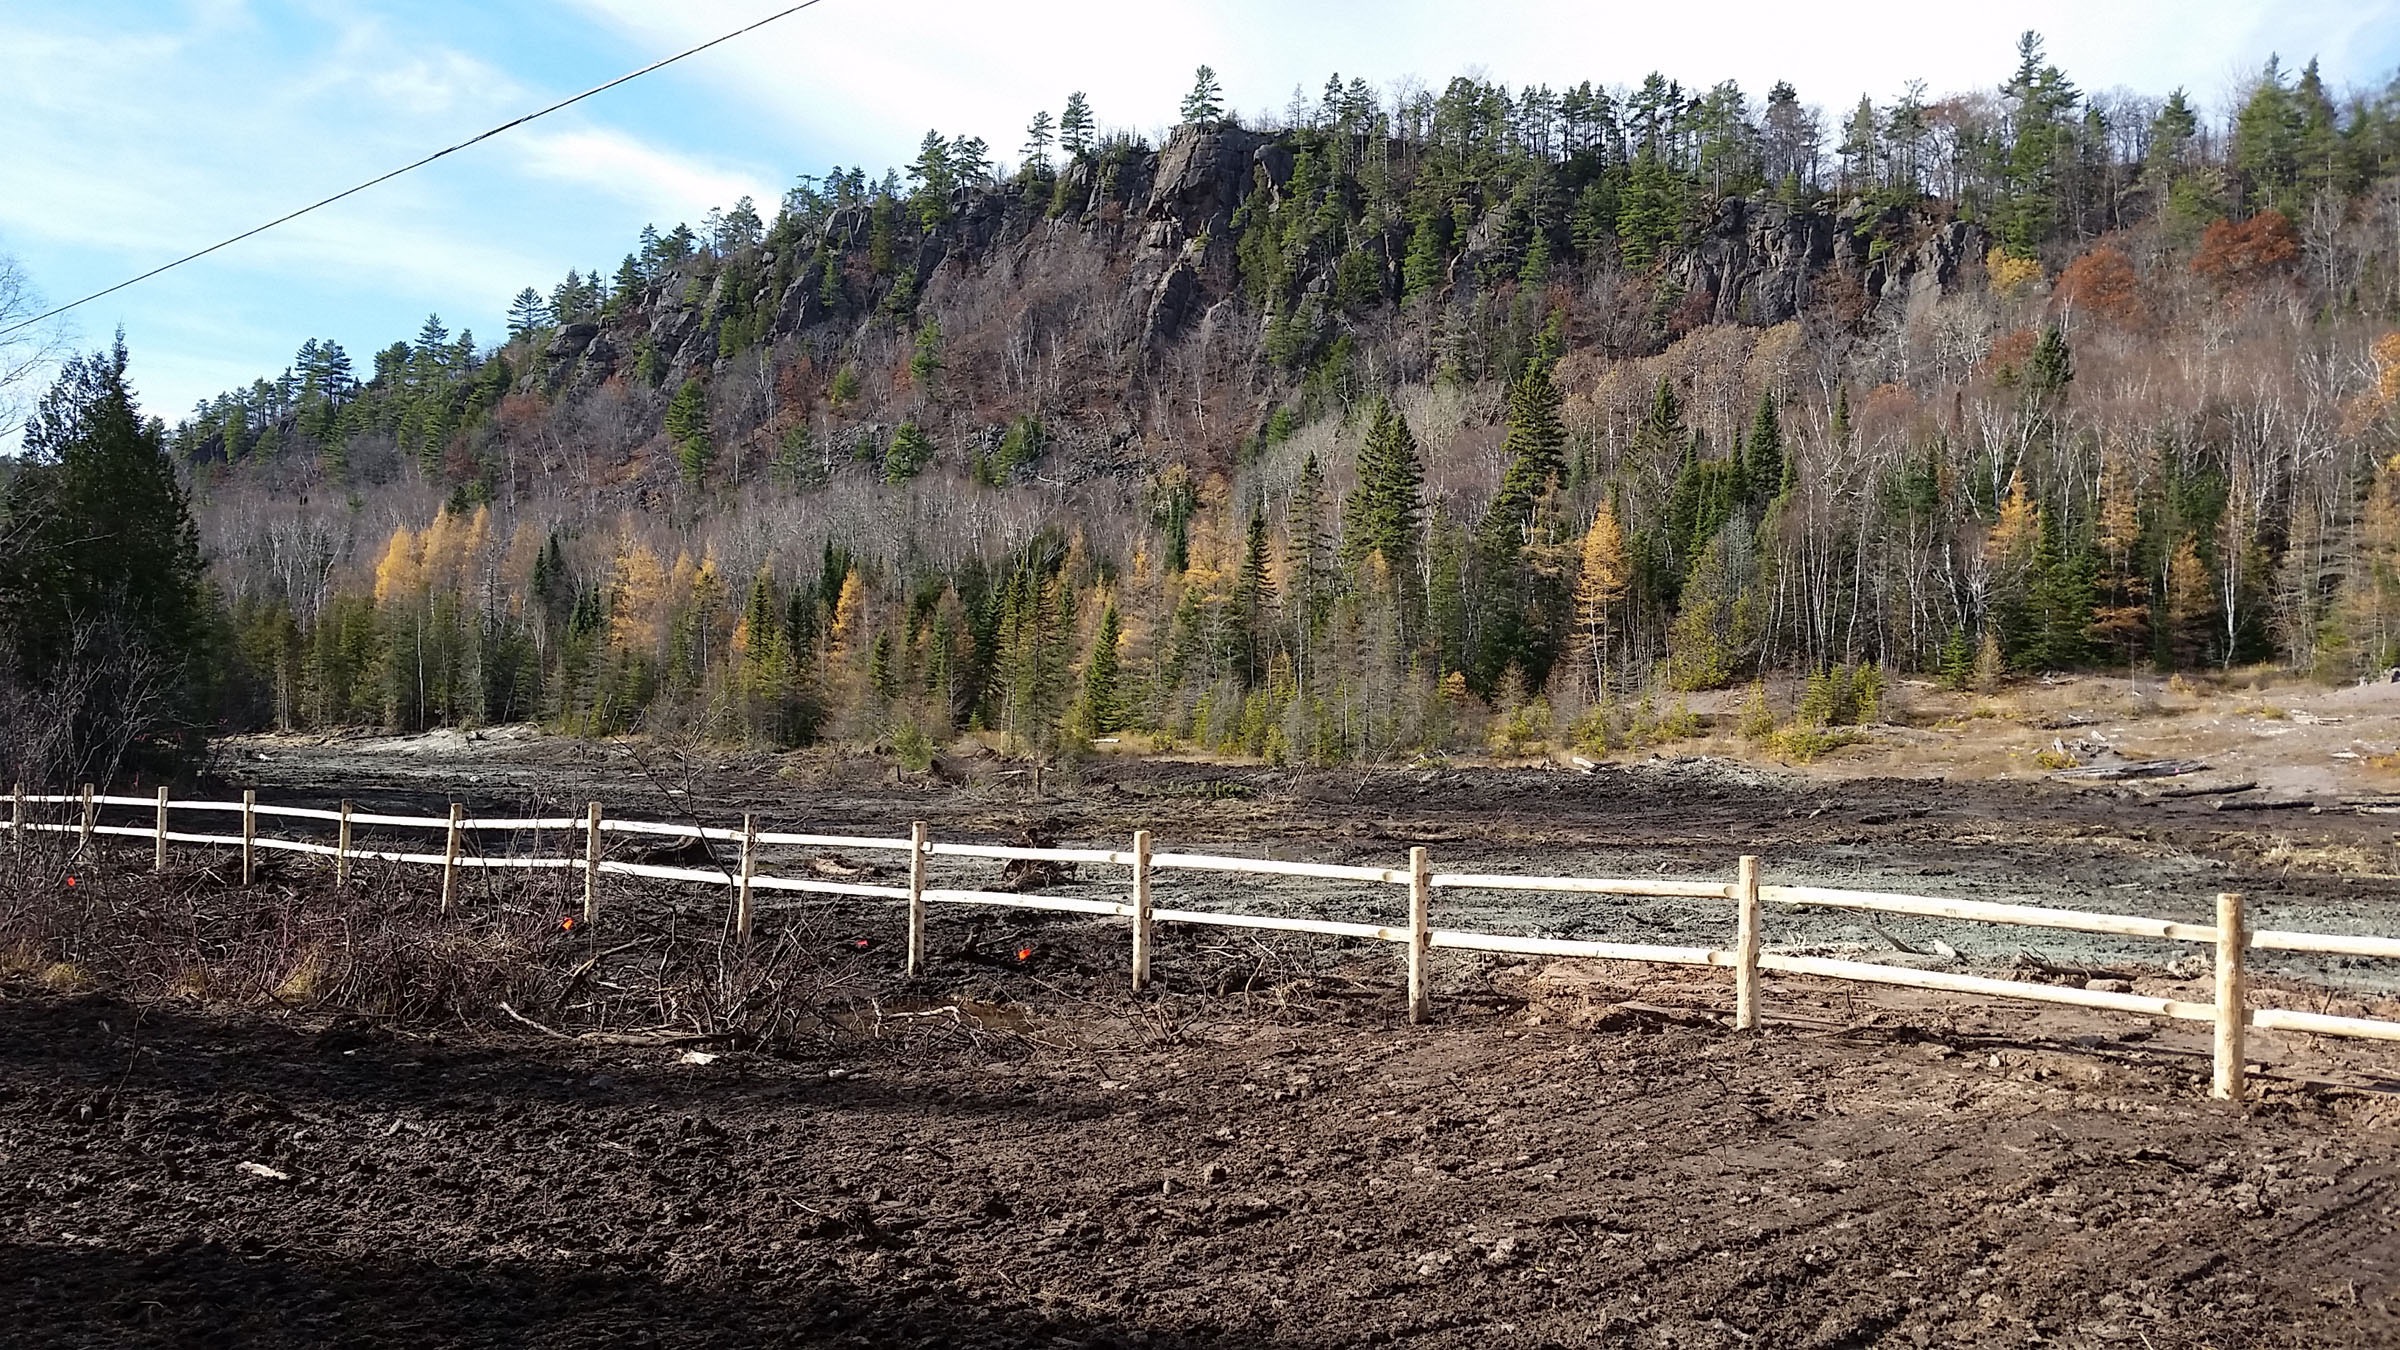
point(2230, 935)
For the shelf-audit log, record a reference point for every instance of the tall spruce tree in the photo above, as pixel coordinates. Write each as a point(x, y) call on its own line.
point(1308, 567)
point(1103, 705)
point(1535, 448)
point(1383, 511)
point(687, 426)
point(1249, 632)
point(1764, 468)
point(102, 616)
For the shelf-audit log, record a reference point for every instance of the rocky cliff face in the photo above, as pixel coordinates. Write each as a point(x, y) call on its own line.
point(1158, 227)
point(1763, 261)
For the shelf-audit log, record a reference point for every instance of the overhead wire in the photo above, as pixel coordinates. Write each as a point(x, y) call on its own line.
point(411, 167)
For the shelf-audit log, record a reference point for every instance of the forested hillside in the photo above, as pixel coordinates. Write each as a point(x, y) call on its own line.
point(1409, 421)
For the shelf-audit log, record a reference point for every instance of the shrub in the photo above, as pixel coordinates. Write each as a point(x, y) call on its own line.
point(912, 747)
point(1758, 716)
point(1594, 732)
point(1803, 743)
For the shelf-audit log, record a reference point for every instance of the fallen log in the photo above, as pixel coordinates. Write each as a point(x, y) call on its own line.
point(2216, 790)
point(2148, 768)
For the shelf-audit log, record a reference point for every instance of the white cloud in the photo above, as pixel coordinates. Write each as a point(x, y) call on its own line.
point(665, 185)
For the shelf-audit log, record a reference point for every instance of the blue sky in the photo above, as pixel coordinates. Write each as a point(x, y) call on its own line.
point(136, 130)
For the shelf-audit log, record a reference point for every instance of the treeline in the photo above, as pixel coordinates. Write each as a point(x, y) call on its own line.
point(1492, 477)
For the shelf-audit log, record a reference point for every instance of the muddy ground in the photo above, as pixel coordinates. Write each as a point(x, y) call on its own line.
point(2140, 847)
point(1548, 1169)
point(1018, 1152)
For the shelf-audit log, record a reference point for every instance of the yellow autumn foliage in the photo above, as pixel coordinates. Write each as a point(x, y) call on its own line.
point(398, 574)
point(2011, 276)
point(638, 608)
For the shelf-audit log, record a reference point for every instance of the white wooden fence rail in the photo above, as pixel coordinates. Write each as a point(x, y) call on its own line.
point(2229, 1012)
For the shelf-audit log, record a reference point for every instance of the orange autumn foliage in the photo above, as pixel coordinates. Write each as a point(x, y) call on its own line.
point(2103, 284)
point(2232, 255)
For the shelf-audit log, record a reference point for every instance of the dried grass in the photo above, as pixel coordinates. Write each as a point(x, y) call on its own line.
point(381, 948)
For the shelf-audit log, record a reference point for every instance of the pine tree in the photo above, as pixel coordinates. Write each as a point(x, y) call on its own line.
point(687, 427)
point(1205, 105)
point(528, 314)
point(1650, 212)
point(925, 360)
point(1422, 270)
point(1076, 127)
point(2051, 368)
point(910, 452)
point(1036, 152)
point(2039, 100)
point(2266, 137)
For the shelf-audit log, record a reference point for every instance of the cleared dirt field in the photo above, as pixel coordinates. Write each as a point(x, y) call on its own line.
point(1016, 1152)
point(1615, 1178)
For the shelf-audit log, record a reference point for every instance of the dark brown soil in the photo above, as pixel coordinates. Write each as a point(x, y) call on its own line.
point(1550, 1168)
point(1258, 1153)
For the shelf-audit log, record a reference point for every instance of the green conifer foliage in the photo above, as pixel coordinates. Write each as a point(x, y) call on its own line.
point(101, 604)
point(1383, 511)
point(687, 427)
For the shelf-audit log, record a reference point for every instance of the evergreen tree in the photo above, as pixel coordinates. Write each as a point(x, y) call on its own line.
point(2052, 366)
point(1422, 270)
point(1535, 449)
point(1076, 127)
point(1383, 511)
point(1248, 629)
point(1036, 151)
point(911, 451)
point(1205, 105)
point(527, 314)
point(1103, 708)
point(687, 427)
point(2039, 100)
point(925, 359)
point(2266, 137)
point(1764, 469)
point(101, 602)
point(1308, 566)
point(1650, 212)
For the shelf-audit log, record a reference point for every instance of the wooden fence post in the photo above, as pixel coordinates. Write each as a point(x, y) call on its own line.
point(83, 834)
point(1420, 930)
point(741, 904)
point(341, 848)
point(458, 812)
point(16, 816)
point(1141, 910)
point(2233, 992)
point(591, 863)
point(158, 863)
point(1745, 944)
point(249, 833)
point(916, 898)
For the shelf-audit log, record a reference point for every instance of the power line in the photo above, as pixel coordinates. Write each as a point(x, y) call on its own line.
point(405, 168)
